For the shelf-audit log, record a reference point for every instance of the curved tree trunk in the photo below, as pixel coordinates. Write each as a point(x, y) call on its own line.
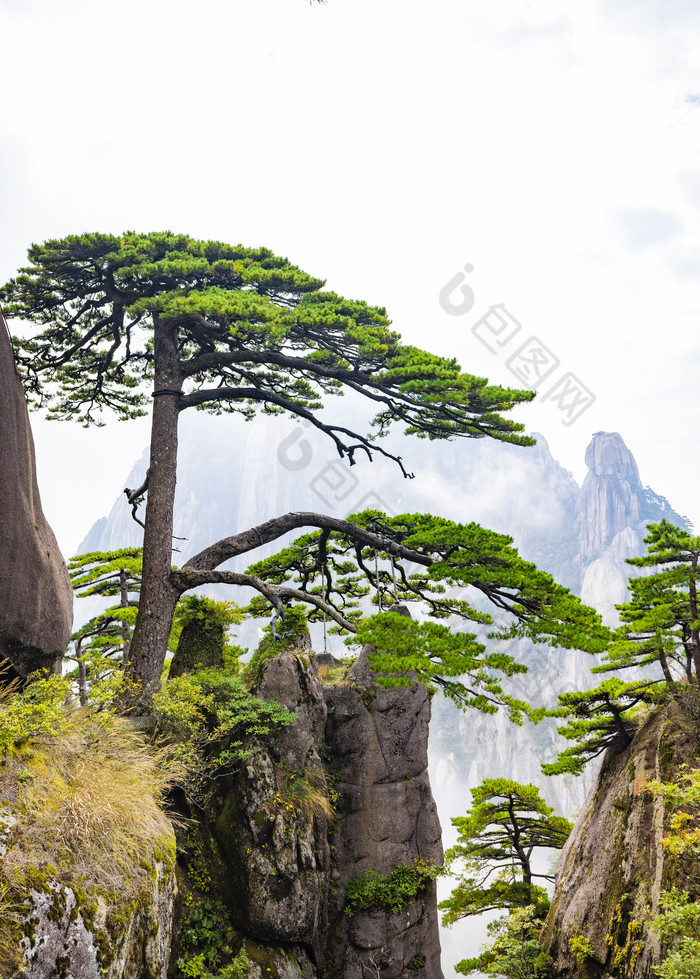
point(158, 595)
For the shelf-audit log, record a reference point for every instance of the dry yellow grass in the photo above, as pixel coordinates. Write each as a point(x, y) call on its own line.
point(86, 801)
point(80, 804)
point(334, 675)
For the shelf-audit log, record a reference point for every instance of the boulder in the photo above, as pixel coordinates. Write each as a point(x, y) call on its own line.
point(64, 929)
point(36, 598)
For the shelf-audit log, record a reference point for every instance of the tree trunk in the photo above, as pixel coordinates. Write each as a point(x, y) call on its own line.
point(694, 632)
point(158, 595)
point(82, 673)
point(664, 662)
point(126, 628)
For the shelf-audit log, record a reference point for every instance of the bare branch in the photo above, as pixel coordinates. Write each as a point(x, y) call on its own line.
point(187, 579)
point(217, 395)
point(249, 540)
point(135, 498)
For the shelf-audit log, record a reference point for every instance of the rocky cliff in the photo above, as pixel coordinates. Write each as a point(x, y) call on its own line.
point(342, 791)
point(377, 741)
point(87, 856)
point(613, 510)
point(36, 599)
point(69, 933)
point(613, 867)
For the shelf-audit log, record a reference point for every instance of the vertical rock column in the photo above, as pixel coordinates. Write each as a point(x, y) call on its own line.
point(36, 599)
point(377, 740)
point(272, 829)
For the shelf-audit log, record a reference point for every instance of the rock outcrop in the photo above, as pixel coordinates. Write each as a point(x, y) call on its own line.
point(56, 922)
point(613, 867)
point(273, 825)
point(377, 743)
point(36, 599)
point(89, 939)
point(341, 791)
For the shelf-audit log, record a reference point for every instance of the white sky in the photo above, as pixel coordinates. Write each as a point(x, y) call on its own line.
point(383, 144)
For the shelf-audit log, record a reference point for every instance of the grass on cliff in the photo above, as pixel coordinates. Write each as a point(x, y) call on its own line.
point(81, 791)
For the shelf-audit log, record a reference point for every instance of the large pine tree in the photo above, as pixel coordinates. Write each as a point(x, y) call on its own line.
point(165, 323)
point(162, 319)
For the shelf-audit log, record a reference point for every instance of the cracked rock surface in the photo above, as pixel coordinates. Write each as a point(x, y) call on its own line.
point(378, 741)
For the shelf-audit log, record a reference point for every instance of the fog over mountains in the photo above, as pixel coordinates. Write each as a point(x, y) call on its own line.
point(233, 475)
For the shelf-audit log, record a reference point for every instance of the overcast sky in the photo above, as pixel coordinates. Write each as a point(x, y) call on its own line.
point(384, 145)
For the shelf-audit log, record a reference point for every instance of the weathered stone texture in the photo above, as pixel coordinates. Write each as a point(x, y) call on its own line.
point(287, 893)
point(36, 599)
point(292, 680)
point(271, 829)
point(377, 740)
point(198, 648)
point(613, 867)
point(134, 943)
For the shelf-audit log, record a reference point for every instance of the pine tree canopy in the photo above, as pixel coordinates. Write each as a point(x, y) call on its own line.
point(252, 331)
point(120, 323)
point(507, 822)
point(660, 622)
point(449, 569)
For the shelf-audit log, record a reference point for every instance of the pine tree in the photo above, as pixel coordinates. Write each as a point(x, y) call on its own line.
point(108, 574)
point(448, 569)
point(163, 319)
point(507, 822)
point(660, 622)
point(598, 719)
point(659, 628)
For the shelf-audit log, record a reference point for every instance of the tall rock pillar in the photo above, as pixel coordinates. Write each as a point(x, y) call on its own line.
point(613, 511)
point(36, 599)
point(377, 741)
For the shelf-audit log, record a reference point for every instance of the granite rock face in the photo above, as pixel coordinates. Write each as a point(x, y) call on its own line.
point(613, 867)
point(292, 680)
point(133, 943)
point(272, 827)
point(612, 493)
point(36, 598)
point(288, 863)
point(377, 741)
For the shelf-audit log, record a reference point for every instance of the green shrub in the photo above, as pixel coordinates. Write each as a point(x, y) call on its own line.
point(211, 723)
point(679, 925)
point(288, 631)
point(417, 963)
point(207, 942)
point(209, 613)
point(581, 947)
point(38, 714)
point(372, 891)
point(515, 952)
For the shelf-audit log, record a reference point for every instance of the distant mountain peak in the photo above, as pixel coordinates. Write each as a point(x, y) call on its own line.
point(607, 455)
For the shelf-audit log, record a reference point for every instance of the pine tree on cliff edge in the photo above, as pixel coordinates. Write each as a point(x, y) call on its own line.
point(164, 320)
